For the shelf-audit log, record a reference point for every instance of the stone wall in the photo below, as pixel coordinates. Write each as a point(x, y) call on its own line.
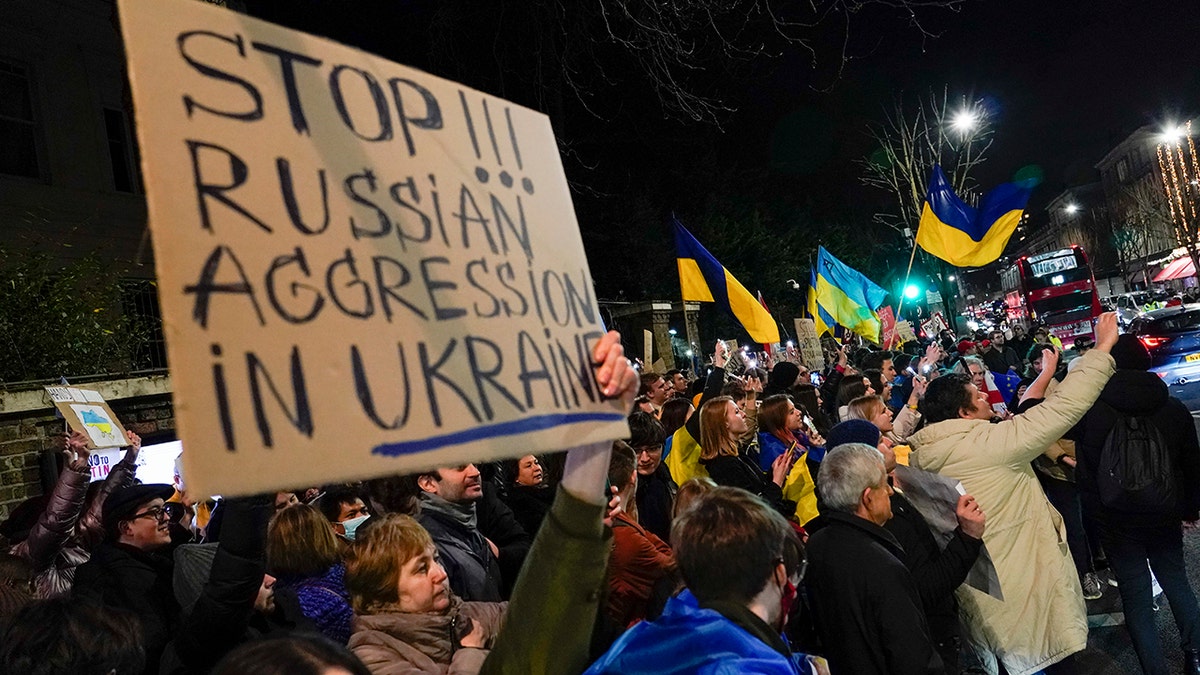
point(29, 430)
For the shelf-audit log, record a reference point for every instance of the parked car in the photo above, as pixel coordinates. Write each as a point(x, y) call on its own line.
point(1129, 306)
point(1172, 335)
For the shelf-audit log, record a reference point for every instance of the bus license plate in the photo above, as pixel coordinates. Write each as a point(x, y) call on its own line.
point(1192, 357)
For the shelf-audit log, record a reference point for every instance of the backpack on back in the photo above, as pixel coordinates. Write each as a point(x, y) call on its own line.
point(1137, 472)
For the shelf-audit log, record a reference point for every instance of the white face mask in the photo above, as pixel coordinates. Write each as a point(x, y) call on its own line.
point(350, 526)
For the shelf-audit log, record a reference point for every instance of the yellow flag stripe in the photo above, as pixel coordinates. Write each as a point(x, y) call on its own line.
point(754, 317)
point(692, 283)
point(847, 312)
point(957, 248)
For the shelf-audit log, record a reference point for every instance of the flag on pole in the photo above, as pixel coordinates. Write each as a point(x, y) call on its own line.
point(847, 296)
point(965, 236)
point(820, 317)
point(703, 279)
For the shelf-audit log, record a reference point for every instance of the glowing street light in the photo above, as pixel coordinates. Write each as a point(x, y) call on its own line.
point(1072, 208)
point(1172, 134)
point(965, 121)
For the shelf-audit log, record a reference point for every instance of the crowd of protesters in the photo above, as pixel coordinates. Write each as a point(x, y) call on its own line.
point(750, 523)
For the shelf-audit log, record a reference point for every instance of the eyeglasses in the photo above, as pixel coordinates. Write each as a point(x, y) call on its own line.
point(156, 512)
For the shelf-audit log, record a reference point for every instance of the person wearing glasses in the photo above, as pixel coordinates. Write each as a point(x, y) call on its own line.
point(132, 568)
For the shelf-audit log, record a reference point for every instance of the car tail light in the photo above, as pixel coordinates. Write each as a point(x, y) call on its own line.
point(1153, 342)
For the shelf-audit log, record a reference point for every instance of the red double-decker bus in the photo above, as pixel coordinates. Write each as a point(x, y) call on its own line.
point(1056, 289)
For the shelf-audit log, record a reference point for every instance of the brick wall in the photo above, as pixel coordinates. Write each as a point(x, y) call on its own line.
point(31, 430)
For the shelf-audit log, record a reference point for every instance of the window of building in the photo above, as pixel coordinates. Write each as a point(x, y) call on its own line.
point(18, 126)
point(1122, 170)
point(120, 151)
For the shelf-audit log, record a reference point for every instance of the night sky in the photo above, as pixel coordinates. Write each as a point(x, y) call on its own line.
point(1065, 82)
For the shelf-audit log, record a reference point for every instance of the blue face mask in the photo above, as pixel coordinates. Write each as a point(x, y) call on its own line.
point(352, 525)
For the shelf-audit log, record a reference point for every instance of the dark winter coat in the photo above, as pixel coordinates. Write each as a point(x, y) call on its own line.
point(737, 471)
point(936, 572)
point(129, 578)
point(1137, 393)
point(866, 606)
point(656, 501)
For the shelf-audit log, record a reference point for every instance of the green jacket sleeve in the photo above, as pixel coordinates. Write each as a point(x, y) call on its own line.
point(553, 608)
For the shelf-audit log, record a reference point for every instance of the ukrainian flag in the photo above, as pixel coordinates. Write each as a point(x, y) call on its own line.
point(965, 236)
point(703, 279)
point(844, 296)
point(820, 317)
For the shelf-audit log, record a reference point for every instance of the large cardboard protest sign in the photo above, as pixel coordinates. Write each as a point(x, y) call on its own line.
point(809, 344)
point(364, 269)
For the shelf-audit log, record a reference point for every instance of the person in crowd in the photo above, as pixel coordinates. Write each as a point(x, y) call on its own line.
point(1020, 342)
point(1134, 532)
point(746, 399)
point(344, 508)
point(966, 347)
point(897, 427)
point(883, 361)
point(62, 635)
point(675, 413)
point(1041, 623)
point(639, 558)
point(225, 595)
point(690, 493)
point(683, 461)
point(291, 655)
point(655, 488)
point(782, 378)
point(1042, 335)
point(866, 607)
point(129, 570)
point(481, 544)
point(285, 500)
point(999, 357)
point(808, 398)
point(936, 571)
point(529, 495)
point(741, 562)
point(408, 620)
point(722, 423)
point(851, 388)
point(655, 389)
point(678, 383)
point(16, 586)
point(304, 557)
point(58, 533)
point(782, 431)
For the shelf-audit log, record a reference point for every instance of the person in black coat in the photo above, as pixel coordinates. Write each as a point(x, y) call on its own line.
point(867, 609)
point(129, 570)
point(1130, 537)
point(227, 596)
point(935, 571)
point(722, 423)
point(655, 488)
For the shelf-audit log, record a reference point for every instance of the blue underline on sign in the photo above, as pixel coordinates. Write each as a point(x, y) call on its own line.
point(511, 428)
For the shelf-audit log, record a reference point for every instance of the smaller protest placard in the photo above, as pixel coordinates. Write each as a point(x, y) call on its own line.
point(647, 347)
point(810, 344)
point(904, 332)
point(887, 321)
point(85, 411)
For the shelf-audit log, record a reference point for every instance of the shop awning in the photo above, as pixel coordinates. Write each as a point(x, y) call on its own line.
point(1179, 268)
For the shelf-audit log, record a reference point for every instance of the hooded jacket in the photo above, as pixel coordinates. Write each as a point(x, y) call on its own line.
point(1042, 619)
point(1137, 393)
point(688, 638)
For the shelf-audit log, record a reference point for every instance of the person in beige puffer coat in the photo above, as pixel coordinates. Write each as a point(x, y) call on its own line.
point(1042, 620)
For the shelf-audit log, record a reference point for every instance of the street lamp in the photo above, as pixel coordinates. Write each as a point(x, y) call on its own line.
point(1072, 208)
point(965, 121)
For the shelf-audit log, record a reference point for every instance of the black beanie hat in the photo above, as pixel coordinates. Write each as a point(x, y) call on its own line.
point(1131, 354)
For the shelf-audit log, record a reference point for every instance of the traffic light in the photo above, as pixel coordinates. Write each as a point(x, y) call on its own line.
point(911, 291)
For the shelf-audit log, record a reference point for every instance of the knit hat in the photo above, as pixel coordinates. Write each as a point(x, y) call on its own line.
point(193, 564)
point(1131, 354)
point(782, 376)
point(852, 431)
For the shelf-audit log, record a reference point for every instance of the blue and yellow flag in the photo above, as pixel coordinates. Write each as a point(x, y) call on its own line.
point(703, 279)
point(965, 236)
point(820, 317)
point(844, 296)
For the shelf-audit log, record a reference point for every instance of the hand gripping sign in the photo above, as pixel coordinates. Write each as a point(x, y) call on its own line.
point(363, 269)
